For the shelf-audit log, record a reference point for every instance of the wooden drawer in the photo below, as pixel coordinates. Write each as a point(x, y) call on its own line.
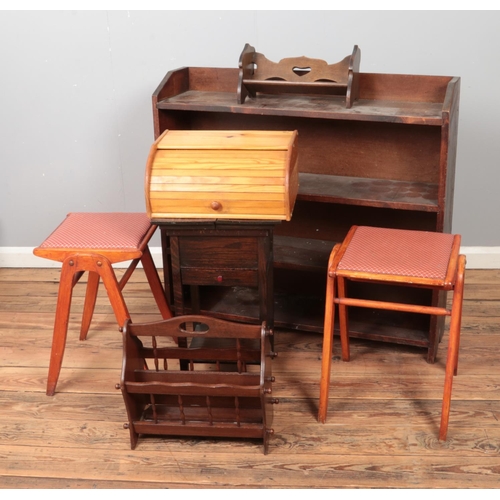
point(222, 277)
point(225, 261)
point(223, 252)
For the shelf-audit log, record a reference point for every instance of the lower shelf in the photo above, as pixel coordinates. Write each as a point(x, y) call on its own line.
point(305, 312)
point(299, 294)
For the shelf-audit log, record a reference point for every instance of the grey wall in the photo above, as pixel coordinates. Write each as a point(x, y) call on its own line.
point(75, 97)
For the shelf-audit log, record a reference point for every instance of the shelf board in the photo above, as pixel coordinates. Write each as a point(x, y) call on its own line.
point(382, 193)
point(301, 253)
point(327, 107)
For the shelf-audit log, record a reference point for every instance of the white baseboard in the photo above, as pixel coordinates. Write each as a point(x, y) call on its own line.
point(482, 257)
point(23, 257)
point(477, 258)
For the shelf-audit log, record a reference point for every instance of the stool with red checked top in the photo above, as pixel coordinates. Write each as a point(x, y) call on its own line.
point(394, 257)
point(93, 242)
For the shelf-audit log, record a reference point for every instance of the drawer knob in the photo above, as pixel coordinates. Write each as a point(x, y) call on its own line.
point(215, 205)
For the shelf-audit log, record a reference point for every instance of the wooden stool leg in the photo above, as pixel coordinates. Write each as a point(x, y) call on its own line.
point(72, 266)
point(459, 304)
point(453, 345)
point(155, 283)
point(343, 321)
point(103, 267)
point(435, 332)
point(89, 305)
point(61, 324)
point(326, 360)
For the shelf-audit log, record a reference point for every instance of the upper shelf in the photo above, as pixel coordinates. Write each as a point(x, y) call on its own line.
point(410, 99)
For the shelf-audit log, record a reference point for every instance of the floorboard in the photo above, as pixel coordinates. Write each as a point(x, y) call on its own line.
point(381, 431)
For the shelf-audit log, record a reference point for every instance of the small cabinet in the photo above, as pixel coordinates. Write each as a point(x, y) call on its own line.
point(387, 160)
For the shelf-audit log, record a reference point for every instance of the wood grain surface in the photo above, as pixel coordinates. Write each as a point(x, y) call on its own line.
point(382, 423)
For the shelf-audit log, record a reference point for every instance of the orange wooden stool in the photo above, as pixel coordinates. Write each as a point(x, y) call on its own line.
point(93, 242)
point(399, 257)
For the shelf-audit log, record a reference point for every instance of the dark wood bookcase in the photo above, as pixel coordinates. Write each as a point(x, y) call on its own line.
point(388, 160)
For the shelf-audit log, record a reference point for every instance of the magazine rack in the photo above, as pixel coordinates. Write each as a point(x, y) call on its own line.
point(216, 382)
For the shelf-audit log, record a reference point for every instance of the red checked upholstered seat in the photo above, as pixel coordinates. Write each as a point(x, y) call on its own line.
point(104, 232)
point(398, 252)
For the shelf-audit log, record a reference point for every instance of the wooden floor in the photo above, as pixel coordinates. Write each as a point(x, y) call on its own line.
point(383, 416)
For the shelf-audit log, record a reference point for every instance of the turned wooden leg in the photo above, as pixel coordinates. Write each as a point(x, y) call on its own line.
point(61, 324)
point(89, 305)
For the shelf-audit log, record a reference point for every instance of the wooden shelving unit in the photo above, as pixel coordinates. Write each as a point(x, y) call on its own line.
point(388, 160)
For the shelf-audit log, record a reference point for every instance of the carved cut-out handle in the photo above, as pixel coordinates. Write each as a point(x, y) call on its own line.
point(198, 327)
point(301, 71)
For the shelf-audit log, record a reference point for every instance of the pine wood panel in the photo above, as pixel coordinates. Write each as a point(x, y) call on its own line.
point(225, 174)
point(381, 431)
